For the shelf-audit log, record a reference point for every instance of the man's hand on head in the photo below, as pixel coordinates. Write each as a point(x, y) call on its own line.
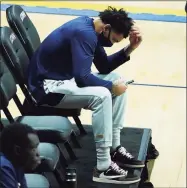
point(135, 37)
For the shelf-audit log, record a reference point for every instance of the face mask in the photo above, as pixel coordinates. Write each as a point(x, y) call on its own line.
point(105, 41)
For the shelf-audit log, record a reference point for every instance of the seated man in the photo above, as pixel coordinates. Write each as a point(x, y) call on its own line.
point(59, 75)
point(18, 153)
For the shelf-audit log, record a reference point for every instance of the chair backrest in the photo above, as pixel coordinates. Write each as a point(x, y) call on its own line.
point(7, 84)
point(14, 54)
point(16, 59)
point(23, 27)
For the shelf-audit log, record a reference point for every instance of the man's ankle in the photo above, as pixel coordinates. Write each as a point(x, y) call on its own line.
point(103, 158)
point(113, 149)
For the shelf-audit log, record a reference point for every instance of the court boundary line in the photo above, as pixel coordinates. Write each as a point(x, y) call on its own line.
point(94, 13)
point(160, 85)
point(98, 7)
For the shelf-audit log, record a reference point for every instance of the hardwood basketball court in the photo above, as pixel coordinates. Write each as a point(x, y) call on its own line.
point(160, 60)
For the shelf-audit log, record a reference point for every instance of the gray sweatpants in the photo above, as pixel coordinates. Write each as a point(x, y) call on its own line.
point(108, 110)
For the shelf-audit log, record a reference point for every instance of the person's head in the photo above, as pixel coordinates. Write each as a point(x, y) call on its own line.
point(116, 25)
point(19, 143)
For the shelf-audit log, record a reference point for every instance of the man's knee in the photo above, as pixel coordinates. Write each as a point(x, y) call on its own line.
point(103, 93)
point(101, 96)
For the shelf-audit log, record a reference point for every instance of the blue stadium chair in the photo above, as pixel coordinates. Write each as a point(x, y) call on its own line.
point(27, 33)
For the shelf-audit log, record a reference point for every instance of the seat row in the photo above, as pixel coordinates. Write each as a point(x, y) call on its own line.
point(18, 43)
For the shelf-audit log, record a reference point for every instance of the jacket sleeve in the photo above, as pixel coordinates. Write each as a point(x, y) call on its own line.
point(106, 64)
point(83, 46)
point(8, 179)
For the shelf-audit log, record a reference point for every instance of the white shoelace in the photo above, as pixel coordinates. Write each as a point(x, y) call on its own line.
point(124, 152)
point(119, 170)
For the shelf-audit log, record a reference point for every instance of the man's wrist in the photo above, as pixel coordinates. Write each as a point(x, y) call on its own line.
point(128, 50)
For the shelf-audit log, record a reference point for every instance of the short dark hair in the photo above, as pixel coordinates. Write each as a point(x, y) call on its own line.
point(118, 19)
point(15, 134)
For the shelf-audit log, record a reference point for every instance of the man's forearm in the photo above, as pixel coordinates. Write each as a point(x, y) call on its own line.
point(106, 64)
point(128, 50)
point(92, 80)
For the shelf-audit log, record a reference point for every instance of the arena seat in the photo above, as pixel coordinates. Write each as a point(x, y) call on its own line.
point(23, 27)
point(36, 181)
point(53, 129)
point(49, 128)
point(27, 33)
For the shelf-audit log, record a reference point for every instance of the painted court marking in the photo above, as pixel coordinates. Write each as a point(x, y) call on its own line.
point(81, 9)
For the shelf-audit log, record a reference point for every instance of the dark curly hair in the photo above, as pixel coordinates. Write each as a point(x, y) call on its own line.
point(118, 19)
point(15, 134)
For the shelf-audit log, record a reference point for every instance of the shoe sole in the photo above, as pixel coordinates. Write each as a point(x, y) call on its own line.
point(102, 180)
point(130, 166)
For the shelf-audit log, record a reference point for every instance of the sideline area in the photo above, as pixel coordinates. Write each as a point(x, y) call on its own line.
point(91, 9)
